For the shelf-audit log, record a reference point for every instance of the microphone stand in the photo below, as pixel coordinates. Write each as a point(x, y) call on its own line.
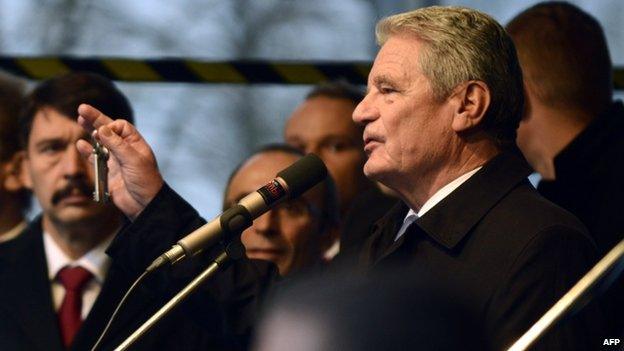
point(233, 251)
point(612, 262)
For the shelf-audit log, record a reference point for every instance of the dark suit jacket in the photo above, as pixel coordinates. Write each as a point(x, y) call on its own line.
point(509, 250)
point(589, 175)
point(366, 209)
point(28, 320)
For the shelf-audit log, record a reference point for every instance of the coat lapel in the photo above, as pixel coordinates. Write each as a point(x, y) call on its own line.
point(453, 218)
point(115, 286)
point(382, 237)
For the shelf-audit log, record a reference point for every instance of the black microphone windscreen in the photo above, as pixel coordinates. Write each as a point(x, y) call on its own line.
point(303, 174)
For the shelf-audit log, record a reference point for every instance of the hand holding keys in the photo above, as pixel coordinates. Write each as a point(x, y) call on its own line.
point(100, 156)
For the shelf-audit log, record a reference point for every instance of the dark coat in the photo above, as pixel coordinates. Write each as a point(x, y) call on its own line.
point(28, 320)
point(590, 184)
point(512, 252)
point(366, 209)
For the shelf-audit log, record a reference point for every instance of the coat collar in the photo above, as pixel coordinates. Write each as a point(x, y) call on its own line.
point(452, 219)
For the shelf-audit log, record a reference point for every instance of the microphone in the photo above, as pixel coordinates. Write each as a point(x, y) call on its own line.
point(289, 183)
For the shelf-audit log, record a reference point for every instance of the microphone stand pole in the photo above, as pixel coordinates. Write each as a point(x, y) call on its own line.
point(233, 251)
point(572, 297)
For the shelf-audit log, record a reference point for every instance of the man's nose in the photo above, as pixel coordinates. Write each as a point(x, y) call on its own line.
point(365, 111)
point(267, 224)
point(73, 164)
point(312, 149)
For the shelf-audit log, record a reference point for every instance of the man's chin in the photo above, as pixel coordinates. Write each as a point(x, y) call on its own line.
point(374, 171)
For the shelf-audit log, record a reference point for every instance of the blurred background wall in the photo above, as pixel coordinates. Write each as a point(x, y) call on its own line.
point(201, 131)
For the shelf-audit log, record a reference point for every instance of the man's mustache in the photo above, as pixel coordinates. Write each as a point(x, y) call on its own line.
point(83, 187)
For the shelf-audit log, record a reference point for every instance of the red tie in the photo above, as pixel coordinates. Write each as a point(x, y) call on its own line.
point(73, 280)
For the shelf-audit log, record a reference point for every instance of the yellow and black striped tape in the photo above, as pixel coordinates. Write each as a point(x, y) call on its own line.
point(197, 71)
point(190, 71)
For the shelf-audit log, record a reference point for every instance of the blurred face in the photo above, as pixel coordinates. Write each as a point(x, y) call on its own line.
point(289, 235)
point(323, 126)
point(407, 131)
point(60, 179)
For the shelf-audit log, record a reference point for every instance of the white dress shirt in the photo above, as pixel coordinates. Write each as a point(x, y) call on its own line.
point(412, 215)
point(95, 261)
point(13, 232)
point(535, 178)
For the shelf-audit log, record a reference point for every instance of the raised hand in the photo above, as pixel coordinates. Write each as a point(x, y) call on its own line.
point(134, 178)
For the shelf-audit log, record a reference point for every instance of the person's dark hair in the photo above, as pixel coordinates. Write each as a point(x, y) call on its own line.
point(11, 100)
point(330, 210)
point(564, 56)
point(12, 92)
point(65, 93)
point(338, 90)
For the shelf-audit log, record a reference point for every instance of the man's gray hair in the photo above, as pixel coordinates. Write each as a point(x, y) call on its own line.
point(460, 45)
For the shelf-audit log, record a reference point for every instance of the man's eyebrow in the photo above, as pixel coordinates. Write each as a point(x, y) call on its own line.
point(50, 140)
point(382, 79)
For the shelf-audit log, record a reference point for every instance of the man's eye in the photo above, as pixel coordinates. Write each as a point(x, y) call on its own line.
point(336, 146)
point(298, 146)
point(386, 90)
point(51, 148)
point(294, 208)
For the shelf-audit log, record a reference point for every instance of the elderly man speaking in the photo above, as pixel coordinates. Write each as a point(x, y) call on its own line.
point(444, 99)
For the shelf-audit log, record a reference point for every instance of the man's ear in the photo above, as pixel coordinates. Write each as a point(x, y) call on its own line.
point(12, 170)
point(473, 100)
point(24, 174)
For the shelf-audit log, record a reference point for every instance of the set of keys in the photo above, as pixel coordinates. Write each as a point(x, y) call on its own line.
point(100, 156)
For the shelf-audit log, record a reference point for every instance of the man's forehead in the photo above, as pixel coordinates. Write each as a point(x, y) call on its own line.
point(48, 122)
point(259, 169)
point(323, 109)
point(325, 128)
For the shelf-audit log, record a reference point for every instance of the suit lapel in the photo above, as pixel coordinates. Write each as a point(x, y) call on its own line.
point(113, 289)
point(27, 290)
point(395, 245)
point(382, 238)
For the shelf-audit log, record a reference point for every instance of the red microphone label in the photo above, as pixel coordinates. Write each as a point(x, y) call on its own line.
point(272, 192)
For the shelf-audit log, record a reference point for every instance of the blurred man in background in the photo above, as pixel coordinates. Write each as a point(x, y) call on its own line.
point(60, 287)
point(14, 198)
point(322, 125)
point(572, 131)
point(296, 233)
